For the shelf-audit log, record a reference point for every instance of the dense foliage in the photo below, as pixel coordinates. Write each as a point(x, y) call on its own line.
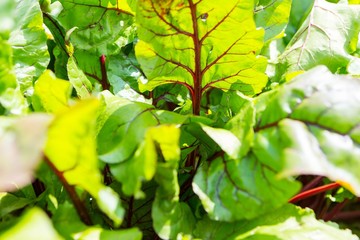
point(179, 119)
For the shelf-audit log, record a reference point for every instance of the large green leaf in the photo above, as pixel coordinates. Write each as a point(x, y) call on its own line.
point(286, 223)
point(7, 77)
point(21, 143)
point(170, 216)
point(123, 140)
point(328, 37)
point(101, 24)
point(71, 147)
point(311, 126)
point(34, 224)
point(23, 52)
point(200, 44)
point(273, 16)
point(28, 41)
point(241, 189)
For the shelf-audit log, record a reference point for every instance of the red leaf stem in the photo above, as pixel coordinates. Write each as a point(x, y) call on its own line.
point(313, 192)
point(79, 205)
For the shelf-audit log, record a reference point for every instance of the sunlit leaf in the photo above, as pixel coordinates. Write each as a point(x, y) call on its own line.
point(78, 79)
point(199, 44)
point(311, 125)
point(7, 77)
point(123, 140)
point(253, 186)
point(101, 24)
point(23, 52)
point(170, 216)
point(51, 94)
point(273, 16)
point(28, 42)
point(328, 37)
point(71, 147)
point(228, 142)
point(286, 223)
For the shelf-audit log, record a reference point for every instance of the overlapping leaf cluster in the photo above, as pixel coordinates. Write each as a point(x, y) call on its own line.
point(148, 118)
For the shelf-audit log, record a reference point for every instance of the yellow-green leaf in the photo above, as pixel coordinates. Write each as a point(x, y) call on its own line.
point(72, 150)
point(51, 94)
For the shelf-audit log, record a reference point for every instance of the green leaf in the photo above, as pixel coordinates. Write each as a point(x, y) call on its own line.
point(289, 222)
point(200, 44)
point(299, 12)
point(170, 216)
point(7, 8)
point(34, 224)
point(7, 76)
point(78, 79)
point(10, 203)
point(28, 42)
point(21, 143)
point(226, 140)
point(138, 211)
point(273, 16)
point(51, 94)
point(241, 125)
point(21, 33)
point(253, 186)
point(311, 126)
point(102, 25)
point(71, 148)
point(124, 143)
point(320, 42)
point(68, 223)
